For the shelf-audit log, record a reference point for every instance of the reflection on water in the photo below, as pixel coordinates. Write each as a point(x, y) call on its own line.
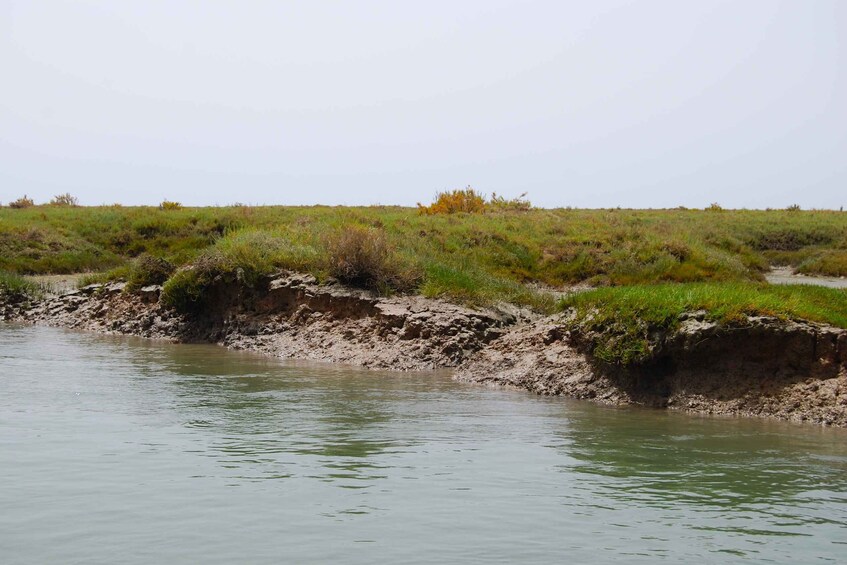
point(742, 480)
point(159, 452)
point(670, 458)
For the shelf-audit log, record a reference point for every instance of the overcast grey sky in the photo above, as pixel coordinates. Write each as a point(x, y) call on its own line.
point(580, 103)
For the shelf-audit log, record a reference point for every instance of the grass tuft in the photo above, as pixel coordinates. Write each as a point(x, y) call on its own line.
point(15, 288)
point(362, 257)
point(148, 270)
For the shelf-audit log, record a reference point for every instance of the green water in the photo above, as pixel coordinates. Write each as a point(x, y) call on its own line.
point(116, 450)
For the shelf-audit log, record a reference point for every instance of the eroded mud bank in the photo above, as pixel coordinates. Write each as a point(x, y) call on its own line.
point(292, 317)
point(764, 367)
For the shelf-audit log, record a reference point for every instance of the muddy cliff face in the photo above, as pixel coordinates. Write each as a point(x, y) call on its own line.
point(792, 370)
point(763, 367)
point(292, 317)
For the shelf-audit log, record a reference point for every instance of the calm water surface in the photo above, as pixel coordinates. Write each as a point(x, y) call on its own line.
point(117, 450)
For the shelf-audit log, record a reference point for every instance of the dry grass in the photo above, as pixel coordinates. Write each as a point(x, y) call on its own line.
point(363, 257)
point(22, 202)
point(65, 199)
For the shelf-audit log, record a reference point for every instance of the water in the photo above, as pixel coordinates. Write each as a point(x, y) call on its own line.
point(119, 450)
point(785, 275)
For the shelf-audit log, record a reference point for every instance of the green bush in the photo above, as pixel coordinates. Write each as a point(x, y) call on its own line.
point(148, 270)
point(186, 289)
point(245, 257)
point(170, 205)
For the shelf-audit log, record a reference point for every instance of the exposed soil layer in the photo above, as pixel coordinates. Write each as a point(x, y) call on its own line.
point(764, 367)
point(291, 317)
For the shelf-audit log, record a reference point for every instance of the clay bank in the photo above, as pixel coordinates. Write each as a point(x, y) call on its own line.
point(749, 365)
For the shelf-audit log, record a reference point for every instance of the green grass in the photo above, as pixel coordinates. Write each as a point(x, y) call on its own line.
point(244, 256)
point(17, 288)
point(832, 262)
point(473, 258)
point(624, 319)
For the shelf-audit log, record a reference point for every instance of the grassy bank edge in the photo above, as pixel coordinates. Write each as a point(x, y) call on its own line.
point(624, 322)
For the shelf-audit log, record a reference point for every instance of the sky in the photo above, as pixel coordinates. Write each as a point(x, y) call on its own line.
point(645, 104)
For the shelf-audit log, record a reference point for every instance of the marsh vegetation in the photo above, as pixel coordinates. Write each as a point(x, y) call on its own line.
point(461, 248)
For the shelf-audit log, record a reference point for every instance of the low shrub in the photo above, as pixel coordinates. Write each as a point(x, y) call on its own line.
point(780, 237)
point(65, 200)
point(519, 204)
point(362, 257)
point(186, 290)
point(468, 201)
point(830, 262)
point(714, 207)
point(169, 205)
point(22, 202)
point(148, 270)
